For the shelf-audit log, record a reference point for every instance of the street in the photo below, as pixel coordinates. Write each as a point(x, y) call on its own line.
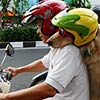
point(20, 58)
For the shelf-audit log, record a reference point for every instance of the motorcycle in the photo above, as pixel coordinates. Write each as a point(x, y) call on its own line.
point(39, 78)
point(6, 76)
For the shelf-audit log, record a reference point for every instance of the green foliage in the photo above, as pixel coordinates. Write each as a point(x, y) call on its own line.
point(15, 7)
point(4, 17)
point(25, 33)
point(79, 3)
point(3, 2)
point(24, 4)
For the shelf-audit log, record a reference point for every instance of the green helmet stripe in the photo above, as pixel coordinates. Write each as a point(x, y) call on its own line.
point(68, 21)
point(80, 29)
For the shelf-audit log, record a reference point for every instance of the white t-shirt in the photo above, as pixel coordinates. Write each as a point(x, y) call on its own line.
point(67, 73)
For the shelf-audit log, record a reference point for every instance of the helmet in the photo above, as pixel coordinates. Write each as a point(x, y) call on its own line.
point(80, 22)
point(44, 10)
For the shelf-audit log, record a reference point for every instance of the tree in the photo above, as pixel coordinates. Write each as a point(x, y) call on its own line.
point(5, 4)
point(79, 3)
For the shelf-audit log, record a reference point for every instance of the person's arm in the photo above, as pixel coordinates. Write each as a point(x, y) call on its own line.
point(37, 92)
point(32, 67)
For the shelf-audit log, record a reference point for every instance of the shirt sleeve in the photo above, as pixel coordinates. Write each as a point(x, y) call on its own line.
point(45, 60)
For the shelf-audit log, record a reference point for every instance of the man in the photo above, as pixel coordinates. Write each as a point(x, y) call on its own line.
point(67, 77)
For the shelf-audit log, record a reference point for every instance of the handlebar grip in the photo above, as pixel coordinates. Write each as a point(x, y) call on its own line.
point(7, 74)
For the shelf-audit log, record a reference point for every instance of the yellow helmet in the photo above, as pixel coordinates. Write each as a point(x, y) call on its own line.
point(82, 23)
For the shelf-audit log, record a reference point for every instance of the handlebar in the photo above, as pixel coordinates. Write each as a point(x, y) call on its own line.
point(6, 75)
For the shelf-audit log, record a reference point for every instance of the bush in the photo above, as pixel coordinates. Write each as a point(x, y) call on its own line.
point(25, 33)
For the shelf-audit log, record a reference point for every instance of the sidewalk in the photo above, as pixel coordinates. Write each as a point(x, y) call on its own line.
point(24, 44)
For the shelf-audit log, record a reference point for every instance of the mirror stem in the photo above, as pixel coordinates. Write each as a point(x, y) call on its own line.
point(3, 61)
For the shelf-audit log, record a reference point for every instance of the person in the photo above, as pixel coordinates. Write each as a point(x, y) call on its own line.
point(67, 77)
point(96, 9)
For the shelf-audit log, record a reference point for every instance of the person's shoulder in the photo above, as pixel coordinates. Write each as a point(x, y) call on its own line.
point(66, 49)
point(70, 49)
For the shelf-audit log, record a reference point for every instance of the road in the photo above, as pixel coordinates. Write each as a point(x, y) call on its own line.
point(20, 58)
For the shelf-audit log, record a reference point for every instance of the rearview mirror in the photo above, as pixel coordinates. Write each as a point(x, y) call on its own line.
point(9, 50)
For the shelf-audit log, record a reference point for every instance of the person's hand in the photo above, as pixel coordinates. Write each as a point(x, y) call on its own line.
point(14, 71)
